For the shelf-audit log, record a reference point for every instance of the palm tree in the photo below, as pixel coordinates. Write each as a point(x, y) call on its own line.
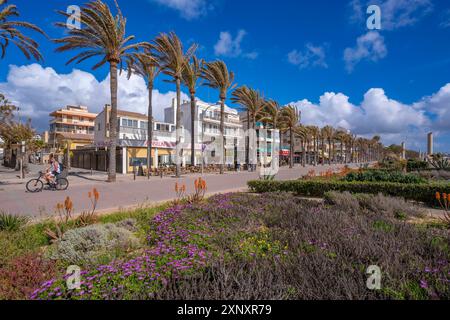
point(303, 134)
point(9, 33)
point(191, 76)
point(290, 118)
point(328, 134)
point(352, 142)
point(173, 60)
point(315, 133)
point(361, 144)
point(217, 76)
point(340, 136)
point(347, 139)
point(254, 104)
point(145, 65)
point(377, 144)
point(102, 35)
point(271, 115)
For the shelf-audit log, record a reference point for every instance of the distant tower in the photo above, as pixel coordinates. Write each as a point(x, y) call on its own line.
point(403, 151)
point(430, 144)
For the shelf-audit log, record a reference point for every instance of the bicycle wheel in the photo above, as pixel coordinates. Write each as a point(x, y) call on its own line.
point(35, 185)
point(62, 184)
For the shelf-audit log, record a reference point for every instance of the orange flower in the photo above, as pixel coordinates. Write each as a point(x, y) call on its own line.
point(438, 196)
point(68, 204)
point(96, 194)
point(196, 183)
point(448, 197)
point(176, 187)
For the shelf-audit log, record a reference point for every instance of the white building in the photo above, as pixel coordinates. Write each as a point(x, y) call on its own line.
point(132, 143)
point(206, 132)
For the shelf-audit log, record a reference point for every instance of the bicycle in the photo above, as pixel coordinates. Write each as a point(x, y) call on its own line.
point(37, 185)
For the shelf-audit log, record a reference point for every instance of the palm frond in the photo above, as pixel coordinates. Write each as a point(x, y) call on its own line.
point(10, 33)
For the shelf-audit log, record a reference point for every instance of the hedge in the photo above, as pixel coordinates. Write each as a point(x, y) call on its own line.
point(315, 188)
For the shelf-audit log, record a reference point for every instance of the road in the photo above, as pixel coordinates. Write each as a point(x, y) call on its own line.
point(126, 193)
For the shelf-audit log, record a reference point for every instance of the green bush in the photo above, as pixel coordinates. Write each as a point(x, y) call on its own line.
point(383, 176)
point(9, 222)
point(315, 188)
point(415, 165)
point(88, 245)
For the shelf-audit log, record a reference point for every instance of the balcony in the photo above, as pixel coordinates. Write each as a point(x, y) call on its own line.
point(216, 119)
point(72, 122)
point(139, 133)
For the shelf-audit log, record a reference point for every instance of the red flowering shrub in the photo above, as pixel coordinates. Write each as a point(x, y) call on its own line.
point(23, 274)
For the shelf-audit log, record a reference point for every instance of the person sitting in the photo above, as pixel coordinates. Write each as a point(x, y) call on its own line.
point(52, 171)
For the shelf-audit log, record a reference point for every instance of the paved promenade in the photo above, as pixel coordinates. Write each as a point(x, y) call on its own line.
point(126, 193)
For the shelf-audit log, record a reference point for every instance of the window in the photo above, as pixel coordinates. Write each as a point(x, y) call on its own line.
point(99, 126)
point(144, 124)
point(124, 122)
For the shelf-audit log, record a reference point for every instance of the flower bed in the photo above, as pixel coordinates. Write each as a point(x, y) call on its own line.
point(242, 246)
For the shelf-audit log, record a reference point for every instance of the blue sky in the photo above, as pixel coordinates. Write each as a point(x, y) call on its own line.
point(293, 51)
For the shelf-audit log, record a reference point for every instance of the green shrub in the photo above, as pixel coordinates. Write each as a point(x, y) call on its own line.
point(314, 188)
point(9, 222)
point(383, 176)
point(415, 165)
point(89, 245)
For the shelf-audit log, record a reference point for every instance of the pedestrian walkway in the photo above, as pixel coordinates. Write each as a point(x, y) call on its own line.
point(127, 193)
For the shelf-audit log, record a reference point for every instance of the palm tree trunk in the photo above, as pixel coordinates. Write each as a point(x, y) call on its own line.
point(255, 152)
point(291, 153)
point(323, 150)
point(306, 160)
point(222, 133)
point(329, 151)
point(193, 132)
point(113, 123)
point(247, 142)
point(315, 151)
point(149, 129)
point(178, 128)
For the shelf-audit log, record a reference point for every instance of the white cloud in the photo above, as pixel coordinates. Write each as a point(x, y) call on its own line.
point(446, 20)
point(311, 56)
point(38, 91)
point(438, 106)
point(394, 13)
point(228, 47)
point(369, 46)
point(378, 114)
point(188, 9)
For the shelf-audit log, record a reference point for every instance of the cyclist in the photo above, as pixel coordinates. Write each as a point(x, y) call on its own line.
point(52, 171)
